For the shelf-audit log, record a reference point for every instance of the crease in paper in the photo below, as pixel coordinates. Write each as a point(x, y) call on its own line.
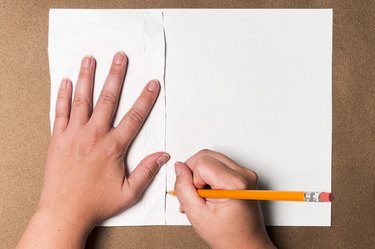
point(154, 61)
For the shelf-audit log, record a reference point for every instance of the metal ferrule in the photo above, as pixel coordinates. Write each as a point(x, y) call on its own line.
point(312, 196)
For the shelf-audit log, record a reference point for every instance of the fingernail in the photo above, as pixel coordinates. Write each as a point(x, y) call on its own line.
point(64, 83)
point(152, 85)
point(181, 210)
point(177, 168)
point(86, 62)
point(119, 58)
point(162, 159)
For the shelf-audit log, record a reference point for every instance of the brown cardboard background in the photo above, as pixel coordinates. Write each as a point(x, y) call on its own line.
point(24, 125)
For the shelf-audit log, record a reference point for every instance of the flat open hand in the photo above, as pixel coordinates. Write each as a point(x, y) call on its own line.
point(85, 179)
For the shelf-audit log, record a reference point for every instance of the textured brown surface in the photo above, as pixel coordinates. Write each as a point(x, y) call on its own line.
point(24, 125)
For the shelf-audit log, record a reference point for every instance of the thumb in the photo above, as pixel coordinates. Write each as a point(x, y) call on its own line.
point(143, 174)
point(186, 193)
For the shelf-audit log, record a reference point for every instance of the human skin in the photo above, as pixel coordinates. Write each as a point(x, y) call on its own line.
point(85, 180)
point(222, 223)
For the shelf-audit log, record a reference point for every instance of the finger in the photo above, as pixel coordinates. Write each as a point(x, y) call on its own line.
point(108, 100)
point(181, 210)
point(209, 171)
point(214, 154)
point(135, 117)
point(63, 103)
point(82, 101)
point(186, 192)
point(141, 177)
point(191, 162)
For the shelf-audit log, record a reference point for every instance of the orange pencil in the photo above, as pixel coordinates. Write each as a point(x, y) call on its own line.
point(264, 195)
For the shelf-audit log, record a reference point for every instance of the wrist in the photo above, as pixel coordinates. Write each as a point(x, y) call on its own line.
point(68, 226)
point(261, 241)
point(247, 245)
point(66, 214)
point(47, 230)
point(267, 244)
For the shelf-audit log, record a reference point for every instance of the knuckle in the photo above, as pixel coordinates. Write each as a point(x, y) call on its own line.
point(57, 142)
point(178, 187)
point(92, 136)
point(85, 74)
point(62, 95)
point(204, 161)
point(60, 114)
point(149, 173)
point(80, 101)
point(133, 196)
point(241, 182)
point(253, 176)
point(116, 70)
point(203, 152)
point(114, 148)
point(63, 99)
point(135, 116)
point(108, 97)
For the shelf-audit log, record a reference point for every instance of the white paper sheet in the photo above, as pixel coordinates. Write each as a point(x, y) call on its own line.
point(253, 84)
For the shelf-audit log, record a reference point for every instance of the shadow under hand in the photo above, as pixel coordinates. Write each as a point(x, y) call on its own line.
point(94, 237)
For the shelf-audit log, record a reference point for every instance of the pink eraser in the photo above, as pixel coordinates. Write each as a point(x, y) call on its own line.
point(326, 197)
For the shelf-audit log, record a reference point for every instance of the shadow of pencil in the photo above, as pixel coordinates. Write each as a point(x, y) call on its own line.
point(267, 214)
point(265, 205)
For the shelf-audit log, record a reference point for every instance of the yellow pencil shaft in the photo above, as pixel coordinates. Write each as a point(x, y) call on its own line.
point(265, 195)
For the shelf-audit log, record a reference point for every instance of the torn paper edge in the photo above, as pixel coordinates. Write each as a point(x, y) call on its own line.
point(165, 116)
point(154, 61)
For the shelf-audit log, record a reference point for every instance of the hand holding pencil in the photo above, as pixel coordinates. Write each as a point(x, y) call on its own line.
point(222, 223)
